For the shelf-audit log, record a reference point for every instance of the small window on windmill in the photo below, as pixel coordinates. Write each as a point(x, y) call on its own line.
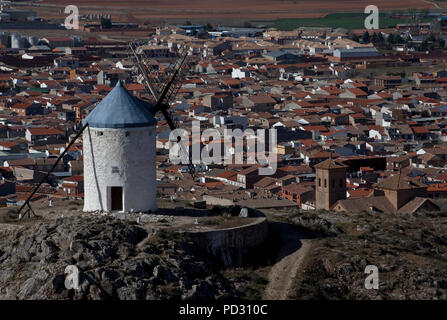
point(115, 170)
point(99, 133)
point(127, 133)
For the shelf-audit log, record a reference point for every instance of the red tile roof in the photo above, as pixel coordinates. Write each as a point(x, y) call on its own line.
point(45, 131)
point(227, 174)
point(420, 130)
point(360, 192)
point(440, 187)
point(74, 179)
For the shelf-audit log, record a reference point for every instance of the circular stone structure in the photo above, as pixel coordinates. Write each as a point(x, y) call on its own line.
point(119, 155)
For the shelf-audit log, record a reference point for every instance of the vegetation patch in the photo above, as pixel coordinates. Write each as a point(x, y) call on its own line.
point(347, 20)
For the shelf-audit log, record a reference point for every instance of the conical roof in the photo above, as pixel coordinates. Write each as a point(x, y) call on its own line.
point(120, 109)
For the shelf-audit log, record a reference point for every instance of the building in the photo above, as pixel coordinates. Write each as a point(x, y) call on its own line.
point(17, 15)
point(443, 23)
point(46, 164)
point(282, 57)
point(218, 101)
point(27, 108)
point(399, 189)
point(59, 42)
point(248, 177)
point(395, 194)
point(73, 187)
point(67, 62)
point(215, 48)
point(259, 103)
point(356, 54)
point(192, 30)
point(111, 77)
point(155, 51)
point(330, 183)
point(388, 81)
point(36, 134)
point(299, 194)
point(119, 155)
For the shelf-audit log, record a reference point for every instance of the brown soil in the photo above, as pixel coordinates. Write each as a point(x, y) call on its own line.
point(228, 9)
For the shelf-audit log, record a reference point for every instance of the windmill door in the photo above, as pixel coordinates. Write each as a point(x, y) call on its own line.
point(117, 198)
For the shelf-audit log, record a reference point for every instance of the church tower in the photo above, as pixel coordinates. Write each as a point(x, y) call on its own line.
point(119, 155)
point(330, 184)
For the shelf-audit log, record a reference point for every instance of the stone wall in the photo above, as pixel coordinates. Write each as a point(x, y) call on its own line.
point(120, 158)
point(232, 246)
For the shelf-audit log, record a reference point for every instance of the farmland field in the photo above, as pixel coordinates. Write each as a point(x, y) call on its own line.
point(348, 20)
point(232, 9)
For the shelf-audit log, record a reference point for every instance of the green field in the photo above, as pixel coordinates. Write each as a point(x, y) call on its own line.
point(347, 20)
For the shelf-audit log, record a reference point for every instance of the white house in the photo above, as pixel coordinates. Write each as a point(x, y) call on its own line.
point(240, 73)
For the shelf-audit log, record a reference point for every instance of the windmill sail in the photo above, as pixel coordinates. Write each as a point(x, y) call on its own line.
point(162, 86)
point(27, 204)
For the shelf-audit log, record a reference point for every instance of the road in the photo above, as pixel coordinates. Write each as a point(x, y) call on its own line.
point(291, 256)
point(436, 5)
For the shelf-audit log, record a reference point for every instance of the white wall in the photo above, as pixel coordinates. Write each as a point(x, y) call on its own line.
point(239, 74)
point(133, 155)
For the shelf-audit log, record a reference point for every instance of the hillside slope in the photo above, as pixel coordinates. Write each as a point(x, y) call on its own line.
point(410, 252)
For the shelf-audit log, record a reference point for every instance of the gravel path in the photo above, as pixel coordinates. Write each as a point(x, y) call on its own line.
point(291, 256)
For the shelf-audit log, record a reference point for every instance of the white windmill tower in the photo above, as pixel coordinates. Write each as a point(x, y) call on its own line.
point(119, 155)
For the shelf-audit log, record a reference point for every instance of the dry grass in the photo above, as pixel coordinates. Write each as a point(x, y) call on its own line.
point(407, 249)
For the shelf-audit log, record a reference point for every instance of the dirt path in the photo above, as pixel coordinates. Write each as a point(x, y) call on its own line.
point(291, 256)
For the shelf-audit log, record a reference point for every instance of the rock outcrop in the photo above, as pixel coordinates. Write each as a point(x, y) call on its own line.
point(115, 259)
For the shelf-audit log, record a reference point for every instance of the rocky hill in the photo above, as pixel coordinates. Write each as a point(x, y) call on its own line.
point(116, 259)
point(121, 259)
point(410, 252)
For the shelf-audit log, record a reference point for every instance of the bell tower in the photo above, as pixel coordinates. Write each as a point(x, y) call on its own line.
point(330, 184)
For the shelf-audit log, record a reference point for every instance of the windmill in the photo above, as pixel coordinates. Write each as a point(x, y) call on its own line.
point(161, 92)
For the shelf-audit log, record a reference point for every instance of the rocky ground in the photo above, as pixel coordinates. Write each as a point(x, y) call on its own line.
point(410, 252)
point(116, 259)
point(121, 259)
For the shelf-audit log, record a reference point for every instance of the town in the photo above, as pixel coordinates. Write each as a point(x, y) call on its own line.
point(349, 136)
point(350, 128)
